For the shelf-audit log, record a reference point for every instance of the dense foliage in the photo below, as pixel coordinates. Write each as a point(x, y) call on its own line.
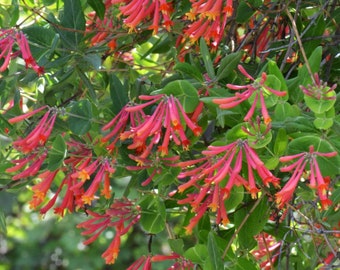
point(210, 129)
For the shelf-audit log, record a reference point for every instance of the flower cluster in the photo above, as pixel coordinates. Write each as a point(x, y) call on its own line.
point(319, 90)
point(80, 167)
point(215, 175)
point(258, 89)
point(146, 261)
point(299, 166)
point(102, 28)
point(8, 37)
point(209, 19)
point(120, 123)
point(33, 144)
point(121, 216)
point(168, 115)
point(137, 11)
point(39, 135)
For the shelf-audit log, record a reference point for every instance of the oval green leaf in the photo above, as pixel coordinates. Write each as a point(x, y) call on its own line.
point(153, 214)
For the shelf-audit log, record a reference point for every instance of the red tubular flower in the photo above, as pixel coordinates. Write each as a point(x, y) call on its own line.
point(102, 169)
point(137, 11)
point(170, 116)
point(40, 189)
point(256, 88)
point(8, 37)
point(316, 179)
point(27, 55)
point(79, 158)
point(144, 261)
point(121, 215)
point(39, 135)
point(211, 20)
point(120, 123)
point(180, 264)
point(6, 44)
point(215, 175)
point(33, 161)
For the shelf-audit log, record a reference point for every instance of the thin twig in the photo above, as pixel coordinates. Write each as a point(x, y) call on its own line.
point(296, 32)
point(241, 225)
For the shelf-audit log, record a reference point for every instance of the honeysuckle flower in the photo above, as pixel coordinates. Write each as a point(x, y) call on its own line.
point(121, 216)
point(103, 169)
point(319, 90)
point(39, 135)
point(168, 115)
point(79, 157)
point(215, 175)
point(6, 44)
point(120, 123)
point(32, 164)
point(144, 261)
point(257, 88)
point(209, 20)
point(40, 189)
point(137, 11)
point(8, 37)
point(180, 264)
point(316, 179)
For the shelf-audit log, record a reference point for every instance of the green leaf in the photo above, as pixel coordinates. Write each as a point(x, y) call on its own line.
point(253, 225)
point(281, 142)
point(189, 70)
point(197, 254)
point(177, 245)
point(314, 62)
point(98, 7)
point(320, 105)
point(153, 214)
point(272, 163)
point(207, 59)
point(3, 226)
point(328, 166)
point(282, 111)
point(73, 19)
point(259, 138)
point(244, 12)
point(245, 264)
point(184, 91)
point(88, 84)
point(93, 59)
point(40, 39)
point(228, 65)
point(236, 132)
point(235, 198)
point(80, 117)
point(57, 154)
point(323, 123)
point(118, 93)
point(316, 32)
point(274, 69)
point(14, 12)
point(215, 255)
